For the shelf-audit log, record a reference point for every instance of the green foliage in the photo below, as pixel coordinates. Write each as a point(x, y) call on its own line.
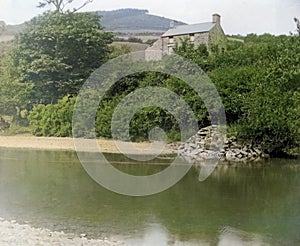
point(258, 81)
point(234, 45)
point(57, 52)
point(53, 119)
point(13, 94)
point(254, 38)
point(144, 120)
point(47, 120)
point(104, 116)
point(134, 40)
point(259, 84)
point(148, 118)
point(119, 50)
point(188, 50)
point(270, 113)
point(16, 129)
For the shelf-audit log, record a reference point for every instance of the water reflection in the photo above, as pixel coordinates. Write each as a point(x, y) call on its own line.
point(51, 189)
point(231, 237)
point(155, 234)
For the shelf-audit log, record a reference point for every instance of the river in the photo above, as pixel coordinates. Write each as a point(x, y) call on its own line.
point(244, 205)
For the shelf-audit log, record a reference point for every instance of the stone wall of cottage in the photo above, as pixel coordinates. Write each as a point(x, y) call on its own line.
point(154, 52)
point(218, 37)
point(165, 45)
point(215, 37)
point(201, 38)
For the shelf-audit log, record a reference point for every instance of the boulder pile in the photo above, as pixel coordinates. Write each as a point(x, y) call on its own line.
point(209, 143)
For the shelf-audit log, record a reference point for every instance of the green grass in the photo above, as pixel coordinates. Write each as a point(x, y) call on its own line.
point(133, 46)
point(15, 129)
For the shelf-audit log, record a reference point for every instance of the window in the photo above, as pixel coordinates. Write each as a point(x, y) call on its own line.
point(192, 37)
point(171, 40)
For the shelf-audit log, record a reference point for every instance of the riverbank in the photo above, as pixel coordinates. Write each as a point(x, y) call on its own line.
point(12, 233)
point(57, 143)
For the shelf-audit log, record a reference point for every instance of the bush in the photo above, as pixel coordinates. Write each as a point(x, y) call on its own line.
point(259, 83)
point(53, 119)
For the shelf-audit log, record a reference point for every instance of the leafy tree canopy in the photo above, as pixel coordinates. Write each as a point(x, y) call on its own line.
point(13, 94)
point(57, 52)
point(259, 83)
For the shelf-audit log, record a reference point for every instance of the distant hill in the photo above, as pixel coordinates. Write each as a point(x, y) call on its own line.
point(122, 21)
point(134, 21)
point(8, 32)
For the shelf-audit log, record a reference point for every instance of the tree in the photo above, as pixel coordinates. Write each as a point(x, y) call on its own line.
point(297, 21)
point(60, 5)
point(260, 90)
point(13, 94)
point(259, 86)
point(57, 53)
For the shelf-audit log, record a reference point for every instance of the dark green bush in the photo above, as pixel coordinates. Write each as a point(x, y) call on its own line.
point(53, 119)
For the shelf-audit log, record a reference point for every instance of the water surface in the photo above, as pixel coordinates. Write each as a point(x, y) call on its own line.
point(243, 205)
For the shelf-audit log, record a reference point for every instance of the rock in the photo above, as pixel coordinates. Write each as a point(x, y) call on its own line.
point(195, 152)
point(193, 146)
point(244, 153)
point(254, 154)
point(208, 143)
point(202, 134)
point(265, 156)
point(229, 155)
point(259, 152)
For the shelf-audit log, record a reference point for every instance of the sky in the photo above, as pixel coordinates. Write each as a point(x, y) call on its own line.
point(238, 16)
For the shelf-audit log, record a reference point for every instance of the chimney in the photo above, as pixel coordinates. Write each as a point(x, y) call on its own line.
point(172, 24)
point(217, 18)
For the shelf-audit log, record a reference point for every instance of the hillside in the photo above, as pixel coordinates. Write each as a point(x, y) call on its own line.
point(123, 22)
point(132, 46)
point(8, 32)
point(134, 21)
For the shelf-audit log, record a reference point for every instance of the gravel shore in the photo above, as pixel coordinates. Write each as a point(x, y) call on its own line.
point(15, 234)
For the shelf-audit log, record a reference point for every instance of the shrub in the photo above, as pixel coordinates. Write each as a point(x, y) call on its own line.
point(53, 119)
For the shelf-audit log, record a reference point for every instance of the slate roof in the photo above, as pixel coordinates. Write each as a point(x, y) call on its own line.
point(187, 29)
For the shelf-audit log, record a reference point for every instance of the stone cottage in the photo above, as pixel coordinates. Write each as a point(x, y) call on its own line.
point(208, 33)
